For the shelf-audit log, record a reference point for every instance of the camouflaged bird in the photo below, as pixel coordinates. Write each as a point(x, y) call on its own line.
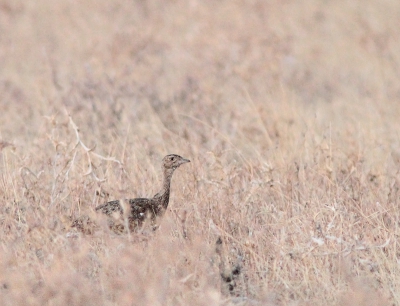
point(136, 211)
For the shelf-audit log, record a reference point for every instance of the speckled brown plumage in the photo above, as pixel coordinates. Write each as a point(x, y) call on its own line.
point(137, 210)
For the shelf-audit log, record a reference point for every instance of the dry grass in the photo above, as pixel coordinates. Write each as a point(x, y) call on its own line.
point(288, 110)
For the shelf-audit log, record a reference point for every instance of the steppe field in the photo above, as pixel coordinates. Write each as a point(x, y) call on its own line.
point(288, 110)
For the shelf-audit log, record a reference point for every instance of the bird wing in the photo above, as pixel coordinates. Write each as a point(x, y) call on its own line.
point(140, 208)
point(110, 207)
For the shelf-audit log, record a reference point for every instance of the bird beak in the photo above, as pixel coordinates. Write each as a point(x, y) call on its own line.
point(184, 161)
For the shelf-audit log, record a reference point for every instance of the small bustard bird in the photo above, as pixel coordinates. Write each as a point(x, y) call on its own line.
point(135, 211)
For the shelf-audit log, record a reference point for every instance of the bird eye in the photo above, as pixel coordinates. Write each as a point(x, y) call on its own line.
point(172, 158)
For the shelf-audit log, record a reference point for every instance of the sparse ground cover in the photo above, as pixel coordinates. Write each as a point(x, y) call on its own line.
point(288, 111)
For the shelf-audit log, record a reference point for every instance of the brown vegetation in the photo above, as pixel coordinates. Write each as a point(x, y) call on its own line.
point(288, 111)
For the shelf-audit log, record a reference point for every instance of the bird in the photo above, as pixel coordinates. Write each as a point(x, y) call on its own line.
point(137, 210)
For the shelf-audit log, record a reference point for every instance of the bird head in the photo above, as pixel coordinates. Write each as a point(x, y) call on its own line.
point(173, 161)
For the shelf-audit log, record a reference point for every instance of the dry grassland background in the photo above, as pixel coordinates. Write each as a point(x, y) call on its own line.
point(288, 110)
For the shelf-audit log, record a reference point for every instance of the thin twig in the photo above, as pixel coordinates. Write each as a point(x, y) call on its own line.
point(90, 151)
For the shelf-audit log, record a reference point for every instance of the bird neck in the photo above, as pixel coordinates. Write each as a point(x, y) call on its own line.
point(163, 195)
